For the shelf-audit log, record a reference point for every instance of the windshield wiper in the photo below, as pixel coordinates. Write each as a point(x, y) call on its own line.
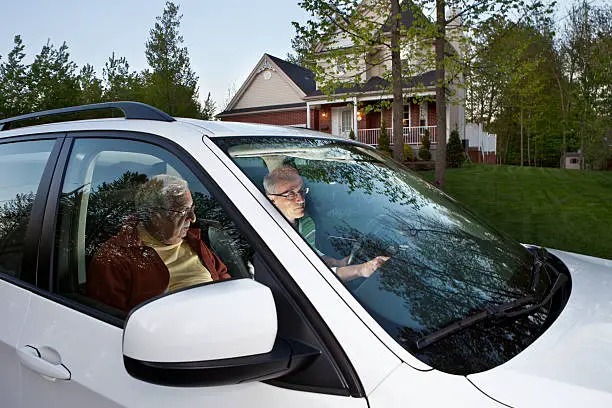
point(505, 310)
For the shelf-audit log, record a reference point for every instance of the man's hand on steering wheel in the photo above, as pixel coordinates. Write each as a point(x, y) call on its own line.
point(363, 270)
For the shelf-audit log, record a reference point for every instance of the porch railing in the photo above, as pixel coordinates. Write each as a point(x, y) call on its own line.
point(412, 135)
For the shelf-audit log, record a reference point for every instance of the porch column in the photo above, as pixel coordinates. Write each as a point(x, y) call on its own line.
point(307, 115)
point(355, 116)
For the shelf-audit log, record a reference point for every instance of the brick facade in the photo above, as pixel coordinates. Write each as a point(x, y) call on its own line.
point(284, 118)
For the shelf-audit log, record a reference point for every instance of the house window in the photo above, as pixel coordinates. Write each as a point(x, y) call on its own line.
point(406, 117)
point(423, 114)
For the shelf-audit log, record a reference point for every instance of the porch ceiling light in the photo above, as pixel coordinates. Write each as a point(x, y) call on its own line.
point(359, 115)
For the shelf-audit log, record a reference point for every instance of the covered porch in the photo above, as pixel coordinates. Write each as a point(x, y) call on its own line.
point(364, 117)
point(412, 135)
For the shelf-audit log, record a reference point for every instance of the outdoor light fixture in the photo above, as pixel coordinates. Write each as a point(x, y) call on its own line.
point(323, 114)
point(359, 115)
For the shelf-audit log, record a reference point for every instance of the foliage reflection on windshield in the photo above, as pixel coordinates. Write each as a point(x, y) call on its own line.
point(445, 264)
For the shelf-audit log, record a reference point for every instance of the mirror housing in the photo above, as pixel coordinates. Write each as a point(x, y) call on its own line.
point(213, 334)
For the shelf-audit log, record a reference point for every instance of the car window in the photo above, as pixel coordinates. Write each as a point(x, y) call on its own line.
point(107, 254)
point(429, 261)
point(21, 167)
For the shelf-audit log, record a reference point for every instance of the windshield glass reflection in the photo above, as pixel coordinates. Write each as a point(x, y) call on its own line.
point(444, 264)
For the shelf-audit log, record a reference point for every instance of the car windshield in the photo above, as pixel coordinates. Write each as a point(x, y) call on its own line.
point(444, 264)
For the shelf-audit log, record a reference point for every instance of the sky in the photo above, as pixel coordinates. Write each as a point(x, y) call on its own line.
point(225, 38)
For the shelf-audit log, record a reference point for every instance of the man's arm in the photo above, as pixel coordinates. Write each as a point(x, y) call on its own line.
point(364, 270)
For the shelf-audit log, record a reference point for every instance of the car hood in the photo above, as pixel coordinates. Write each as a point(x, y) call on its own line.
point(571, 363)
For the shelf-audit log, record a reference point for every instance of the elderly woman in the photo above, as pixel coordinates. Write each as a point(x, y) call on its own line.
point(156, 251)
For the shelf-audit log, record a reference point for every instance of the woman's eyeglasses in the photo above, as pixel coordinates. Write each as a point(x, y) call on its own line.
point(181, 213)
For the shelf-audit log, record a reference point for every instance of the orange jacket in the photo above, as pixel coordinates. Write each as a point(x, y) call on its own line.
point(124, 272)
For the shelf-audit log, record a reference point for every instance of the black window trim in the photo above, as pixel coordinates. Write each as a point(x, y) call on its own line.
point(33, 231)
point(320, 330)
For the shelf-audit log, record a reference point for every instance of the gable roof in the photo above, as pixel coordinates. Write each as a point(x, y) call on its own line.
point(303, 77)
point(299, 78)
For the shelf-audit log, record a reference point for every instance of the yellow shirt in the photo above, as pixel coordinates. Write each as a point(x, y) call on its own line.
point(182, 262)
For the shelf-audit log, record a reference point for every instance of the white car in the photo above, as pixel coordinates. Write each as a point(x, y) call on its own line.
point(459, 315)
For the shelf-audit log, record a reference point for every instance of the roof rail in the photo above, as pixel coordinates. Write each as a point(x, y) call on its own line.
point(131, 110)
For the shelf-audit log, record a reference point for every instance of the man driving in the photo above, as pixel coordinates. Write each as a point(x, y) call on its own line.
point(285, 188)
point(155, 251)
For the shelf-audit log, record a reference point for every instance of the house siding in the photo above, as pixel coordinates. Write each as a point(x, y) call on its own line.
point(262, 92)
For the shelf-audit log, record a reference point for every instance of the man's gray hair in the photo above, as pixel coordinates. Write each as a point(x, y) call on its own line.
point(161, 191)
point(279, 175)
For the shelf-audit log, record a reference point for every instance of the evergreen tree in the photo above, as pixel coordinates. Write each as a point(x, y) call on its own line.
point(454, 150)
point(424, 152)
point(209, 108)
point(119, 83)
point(383, 138)
point(90, 85)
point(52, 79)
point(13, 82)
point(172, 84)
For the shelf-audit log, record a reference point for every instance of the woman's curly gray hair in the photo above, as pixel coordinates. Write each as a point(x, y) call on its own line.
point(161, 191)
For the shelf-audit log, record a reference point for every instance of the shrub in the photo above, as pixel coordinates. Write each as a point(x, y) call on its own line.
point(424, 153)
point(383, 138)
point(408, 153)
point(454, 150)
point(352, 134)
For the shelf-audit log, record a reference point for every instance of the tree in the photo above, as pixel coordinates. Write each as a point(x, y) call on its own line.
point(209, 108)
point(424, 152)
point(352, 34)
point(52, 79)
point(90, 85)
point(13, 82)
point(454, 150)
point(119, 83)
point(383, 138)
point(172, 84)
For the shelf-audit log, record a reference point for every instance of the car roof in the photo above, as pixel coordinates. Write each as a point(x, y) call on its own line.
point(211, 128)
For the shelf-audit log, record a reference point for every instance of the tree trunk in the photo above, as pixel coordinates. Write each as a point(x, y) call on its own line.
point(440, 94)
point(396, 75)
point(522, 158)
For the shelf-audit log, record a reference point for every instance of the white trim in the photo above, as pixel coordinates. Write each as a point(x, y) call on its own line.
point(262, 111)
point(307, 115)
point(355, 124)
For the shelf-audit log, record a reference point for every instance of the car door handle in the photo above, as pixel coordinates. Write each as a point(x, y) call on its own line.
point(32, 358)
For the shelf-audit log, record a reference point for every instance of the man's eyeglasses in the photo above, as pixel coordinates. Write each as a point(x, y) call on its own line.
point(292, 195)
point(183, 212)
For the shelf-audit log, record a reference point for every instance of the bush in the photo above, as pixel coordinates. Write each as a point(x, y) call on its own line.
point(424, 153)
point(383, 138)
point(408, 153)
point(352, 134)
point(455, 155)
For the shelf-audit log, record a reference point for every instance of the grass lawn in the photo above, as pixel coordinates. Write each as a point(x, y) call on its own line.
point(563, 209)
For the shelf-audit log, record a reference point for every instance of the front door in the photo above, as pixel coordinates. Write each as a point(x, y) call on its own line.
point(342, 121)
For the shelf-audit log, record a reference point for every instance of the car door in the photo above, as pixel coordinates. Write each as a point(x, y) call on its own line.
point(22, 191)
point(80, 338)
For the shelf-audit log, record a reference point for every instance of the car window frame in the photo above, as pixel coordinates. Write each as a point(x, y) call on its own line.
point(46, 253)
point(34, 228)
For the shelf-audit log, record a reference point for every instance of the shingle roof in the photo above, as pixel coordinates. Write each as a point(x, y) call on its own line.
point(303, 77)
point(262, 108)
point(376, 83)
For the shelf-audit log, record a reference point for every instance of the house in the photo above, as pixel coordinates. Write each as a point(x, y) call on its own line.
point(279, 92)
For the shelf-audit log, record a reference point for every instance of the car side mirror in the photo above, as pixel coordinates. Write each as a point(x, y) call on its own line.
point(213, 334)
